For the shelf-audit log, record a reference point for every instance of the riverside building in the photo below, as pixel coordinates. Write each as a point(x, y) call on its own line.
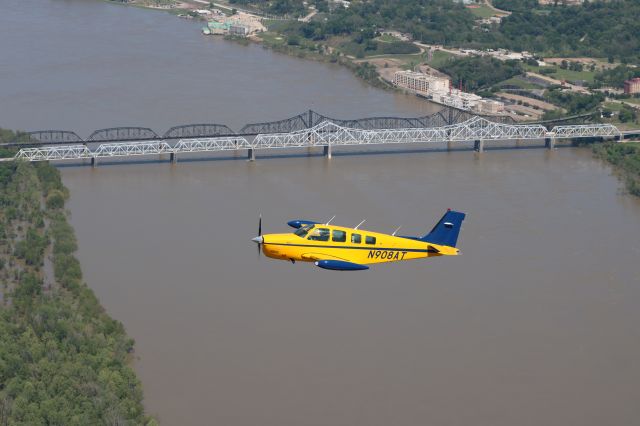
point(631, 87)
point(439, 90)
point(420, 82)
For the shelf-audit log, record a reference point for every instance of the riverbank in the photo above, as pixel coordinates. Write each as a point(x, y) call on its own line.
point(303, 49)
point(63, 359)
point(625, 158)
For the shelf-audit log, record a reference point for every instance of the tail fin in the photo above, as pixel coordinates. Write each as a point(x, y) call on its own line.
point(446, 231)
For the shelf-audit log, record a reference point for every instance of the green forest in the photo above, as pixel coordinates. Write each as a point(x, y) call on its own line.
point(604, 29)
point(601, 29)
point(480, 72)
point(63, 360)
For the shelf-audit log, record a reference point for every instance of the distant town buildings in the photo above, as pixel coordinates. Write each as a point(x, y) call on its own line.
point(631, 87)
point(343, 3)
point(241, 25)
point(492, 20)
point(238, 30)
point(396, 34)
point(562, 2)
point(438, 89)
point(501, 54)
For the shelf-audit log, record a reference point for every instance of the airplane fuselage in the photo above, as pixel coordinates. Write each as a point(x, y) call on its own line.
point(328, 242)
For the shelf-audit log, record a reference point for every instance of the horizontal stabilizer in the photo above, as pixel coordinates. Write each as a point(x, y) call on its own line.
point(340, 265)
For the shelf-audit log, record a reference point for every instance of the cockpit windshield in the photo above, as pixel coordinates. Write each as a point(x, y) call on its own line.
point(303, 230)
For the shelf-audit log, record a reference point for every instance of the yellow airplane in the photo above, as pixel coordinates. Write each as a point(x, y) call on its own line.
point(351, 249)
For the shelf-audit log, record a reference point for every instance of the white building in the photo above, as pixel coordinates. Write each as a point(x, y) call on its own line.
point(439, 90)
point(489, 106)
point(423, 83)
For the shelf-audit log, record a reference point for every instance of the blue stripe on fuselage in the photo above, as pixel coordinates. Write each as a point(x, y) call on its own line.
point(356, 248)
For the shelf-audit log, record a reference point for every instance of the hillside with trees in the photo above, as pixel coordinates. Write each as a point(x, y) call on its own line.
point(479, 72)
point(604, 29)
point(608, 29)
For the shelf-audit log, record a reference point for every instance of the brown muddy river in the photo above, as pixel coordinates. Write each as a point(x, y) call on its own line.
point(535, 324)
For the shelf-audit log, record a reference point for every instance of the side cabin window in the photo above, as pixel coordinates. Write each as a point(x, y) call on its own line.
point(356, 238)
point(320, 234)
point(339, 236)
point(370, 240)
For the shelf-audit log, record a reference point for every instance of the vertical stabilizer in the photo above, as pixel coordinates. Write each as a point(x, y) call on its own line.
point(446, 231)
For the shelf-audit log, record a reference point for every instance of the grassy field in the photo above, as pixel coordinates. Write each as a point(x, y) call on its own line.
point(272, 38)
point(613, 106)
point(483, 11)
point(274, 24)
point(439, 58)
point(561, 74)
point(515, 81)
point(386, 38)
point(352, 48)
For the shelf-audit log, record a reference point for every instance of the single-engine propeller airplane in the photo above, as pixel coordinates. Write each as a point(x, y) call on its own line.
point(351, 249)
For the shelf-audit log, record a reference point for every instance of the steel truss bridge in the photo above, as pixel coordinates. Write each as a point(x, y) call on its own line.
point(326, 134)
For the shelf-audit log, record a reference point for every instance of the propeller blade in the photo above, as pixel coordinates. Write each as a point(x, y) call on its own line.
point(260, 235)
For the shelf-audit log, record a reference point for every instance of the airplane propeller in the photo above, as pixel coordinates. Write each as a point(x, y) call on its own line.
point(259, 238)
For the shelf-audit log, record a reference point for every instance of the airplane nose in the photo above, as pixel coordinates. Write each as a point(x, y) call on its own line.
point(258, 240)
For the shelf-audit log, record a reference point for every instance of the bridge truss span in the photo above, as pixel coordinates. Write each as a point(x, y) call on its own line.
point(211, 144)
point(52, 153)
point(325, 134)
point(586, 131)
point(130, 149)
point(328, 133)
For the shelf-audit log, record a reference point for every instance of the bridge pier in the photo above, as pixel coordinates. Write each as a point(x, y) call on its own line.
point(550, 143)
point(173, 158)
point(478, 145)
point(449, 145)
point(94, 161)
point(327, 151)
point(251, 155)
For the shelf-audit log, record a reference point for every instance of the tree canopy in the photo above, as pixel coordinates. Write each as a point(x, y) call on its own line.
point(63, 360)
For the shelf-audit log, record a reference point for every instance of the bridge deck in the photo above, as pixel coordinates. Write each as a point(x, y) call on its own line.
point(325, 134)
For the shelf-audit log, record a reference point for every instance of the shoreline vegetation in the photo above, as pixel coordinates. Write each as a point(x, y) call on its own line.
point(625, 159)
point(63, 359)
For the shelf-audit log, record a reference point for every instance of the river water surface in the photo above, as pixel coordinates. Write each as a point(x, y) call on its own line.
point(536, 323)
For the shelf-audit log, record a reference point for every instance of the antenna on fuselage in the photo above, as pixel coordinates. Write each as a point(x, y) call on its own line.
point(397, 229)
point(329, 221)
point(358, 225)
